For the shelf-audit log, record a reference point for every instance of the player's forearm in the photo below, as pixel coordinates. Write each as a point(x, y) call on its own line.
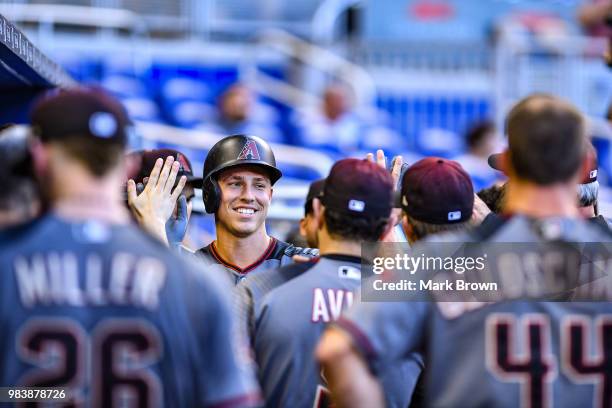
point(351, 384)
point(155, 228)
point(348, 377)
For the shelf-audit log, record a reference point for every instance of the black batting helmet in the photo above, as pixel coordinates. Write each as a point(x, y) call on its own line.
point(232, 151)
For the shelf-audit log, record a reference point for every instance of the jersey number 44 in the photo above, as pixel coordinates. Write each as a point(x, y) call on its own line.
point(535, 367)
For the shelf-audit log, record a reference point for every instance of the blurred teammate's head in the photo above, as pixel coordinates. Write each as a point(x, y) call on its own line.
point(235, 103)
point(78, 141)
point(481, 139)
point(335, 101)
point(19, 195)
point(546, 141)
point(308, 224)
point(356, 203)
point(545, 159)
point(437, 196)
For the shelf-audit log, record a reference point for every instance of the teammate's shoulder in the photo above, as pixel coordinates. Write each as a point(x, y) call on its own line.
point(195, 273)
point(35, 230)
point(205, 255)
point(601, 224)
point(204, 250)
point(598, 229)
point(294, 269)
point(492, 224)
point(269, 279)
point(18, 232)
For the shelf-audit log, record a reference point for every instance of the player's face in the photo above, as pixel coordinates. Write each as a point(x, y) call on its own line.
point(246, 193)
point(308, 229)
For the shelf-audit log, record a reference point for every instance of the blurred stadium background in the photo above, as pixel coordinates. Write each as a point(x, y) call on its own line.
point(321, 79)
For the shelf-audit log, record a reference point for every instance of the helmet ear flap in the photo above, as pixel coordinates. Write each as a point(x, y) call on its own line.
point(211, 195)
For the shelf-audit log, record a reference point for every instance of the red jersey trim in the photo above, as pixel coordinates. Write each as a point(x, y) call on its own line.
point(266, 254)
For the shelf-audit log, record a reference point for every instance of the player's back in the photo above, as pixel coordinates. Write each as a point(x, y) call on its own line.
point(520, 354)
point(290, 319)
point(526, 353)
point(111, 314)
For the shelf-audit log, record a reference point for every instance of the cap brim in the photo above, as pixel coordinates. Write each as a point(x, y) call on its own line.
point(194, 181)
point(495, 161)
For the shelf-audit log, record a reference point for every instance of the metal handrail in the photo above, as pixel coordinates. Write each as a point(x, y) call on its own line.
point(355, 77)
point(325, 17)
point(112, 18)
point(564, 54)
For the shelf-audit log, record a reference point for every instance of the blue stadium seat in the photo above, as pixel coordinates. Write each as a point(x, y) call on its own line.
point(124, 86)
point(142, 109)
point(190, 114)
point(186, 89)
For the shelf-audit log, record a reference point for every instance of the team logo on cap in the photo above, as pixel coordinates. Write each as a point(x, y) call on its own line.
point(249, 151)
point(356, 205)
point(183, 162)
point(102, 124)
point(454, 215)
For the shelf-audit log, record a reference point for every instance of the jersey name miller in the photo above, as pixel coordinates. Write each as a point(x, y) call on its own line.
point(54, 279)
point(328, 304)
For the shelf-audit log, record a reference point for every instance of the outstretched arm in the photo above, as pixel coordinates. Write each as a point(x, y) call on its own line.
point(349, 379)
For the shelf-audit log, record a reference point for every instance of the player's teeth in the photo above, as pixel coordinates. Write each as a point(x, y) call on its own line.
point(246, 211)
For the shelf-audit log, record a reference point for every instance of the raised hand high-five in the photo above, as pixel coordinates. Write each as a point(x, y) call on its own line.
point(396, 172)
point(153, 207)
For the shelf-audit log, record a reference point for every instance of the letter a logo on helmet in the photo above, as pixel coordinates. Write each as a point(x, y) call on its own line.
point(232, 151)
point(249, 151)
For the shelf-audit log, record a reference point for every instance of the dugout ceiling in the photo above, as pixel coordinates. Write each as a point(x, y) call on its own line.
point(25, 72)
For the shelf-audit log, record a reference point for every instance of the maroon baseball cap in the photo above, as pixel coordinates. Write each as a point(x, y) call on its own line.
point(149, 157)
point(84, 112)
point(437, 191)
point(358, 188)
point(495, 162)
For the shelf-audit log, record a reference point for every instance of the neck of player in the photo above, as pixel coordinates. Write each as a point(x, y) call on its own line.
point(558, 200)
point(241, 251)
point(329, 245)
point(77, 195)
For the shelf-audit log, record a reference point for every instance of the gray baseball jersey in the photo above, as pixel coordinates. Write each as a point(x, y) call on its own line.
point(111, 314)
point(277, 254)
point(501, 354)
point(286, 311)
